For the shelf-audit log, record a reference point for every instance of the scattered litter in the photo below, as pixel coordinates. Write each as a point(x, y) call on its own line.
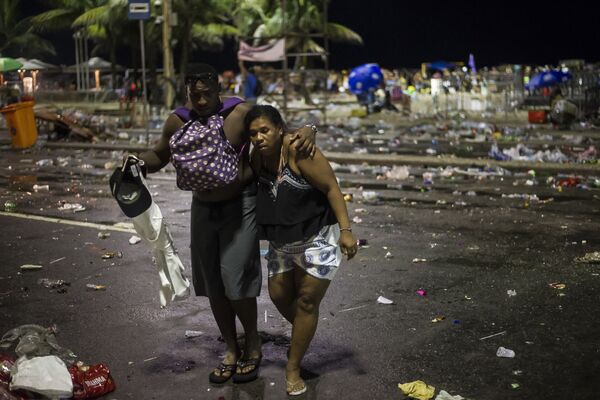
point(558, 286)
point(383, 300)
point(511, 293)
point(75, 207)
point(57, 260)
point(193, 334)
point(90, 381)
point(456, 321)
point(348, 197)
point(504, 352)
point(353, 308)
point(422, 292)
point(357, 219)
point(491, 336)
point(39, 188)
point(389, 255)
point(515, 385)
point(27, 267)
point(439, 318)
point(52, 283)
point(370, 196)
point(150, 359)
point(103, 235)
point(112, 254)
point(398, 172)
point(36, 341)
point(360, 210)
point(589, 258)
point(46, 375)
point(134, 239)
point(417, 390)
point(443, 395)
point(419, 260)
point(517, 372)
point(45, 163)
point(91, 286)
point(10, 206)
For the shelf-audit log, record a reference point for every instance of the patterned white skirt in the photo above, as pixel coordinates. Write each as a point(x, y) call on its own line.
point(320, 256)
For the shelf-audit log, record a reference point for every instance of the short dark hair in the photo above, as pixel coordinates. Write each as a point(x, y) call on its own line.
point(266, 111)
point(201, 72)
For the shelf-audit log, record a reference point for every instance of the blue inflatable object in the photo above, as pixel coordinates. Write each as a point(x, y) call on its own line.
point(548, 79)
point(364, 77)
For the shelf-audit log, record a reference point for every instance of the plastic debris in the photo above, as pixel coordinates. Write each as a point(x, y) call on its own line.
point(515, 385)
point(504, 352)
point(134, 240)
point(511, 293)
point(370, 196)
point(45, 163)
point(90, 381)
point(383, 300)
point(75, 207)
point(27, 267)
point(357, 219)
point(389, 255)
point(10, 206)
point(419, 260)
point(558, 286)
point(417, 390)
point(439, 318)
point(47, 375)
point(36, 341)
point(112, 254)
point(348, 197)
point(422, 292)
point(91, 286)
point(103, 235)
point(40, 188)
point(589, 258)
point(193, 334)
point(493, 335)
point(53, 283)
point(398, 173)
point(443, 395)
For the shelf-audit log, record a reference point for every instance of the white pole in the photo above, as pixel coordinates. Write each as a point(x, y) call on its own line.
point(145, 105)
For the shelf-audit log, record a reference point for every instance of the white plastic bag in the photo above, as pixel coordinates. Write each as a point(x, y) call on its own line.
point(151, 226)
point(46, 375)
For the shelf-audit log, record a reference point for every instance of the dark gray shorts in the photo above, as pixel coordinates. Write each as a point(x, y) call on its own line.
point(224, 247)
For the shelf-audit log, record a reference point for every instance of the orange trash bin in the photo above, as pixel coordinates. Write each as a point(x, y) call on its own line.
point(21, 124)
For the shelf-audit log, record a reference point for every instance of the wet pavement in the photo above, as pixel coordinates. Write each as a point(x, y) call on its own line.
point(464, 236)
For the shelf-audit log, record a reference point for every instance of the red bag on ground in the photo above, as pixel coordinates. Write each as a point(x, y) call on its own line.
point(91, 381)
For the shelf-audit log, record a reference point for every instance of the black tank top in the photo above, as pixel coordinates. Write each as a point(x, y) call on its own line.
point(289, 209)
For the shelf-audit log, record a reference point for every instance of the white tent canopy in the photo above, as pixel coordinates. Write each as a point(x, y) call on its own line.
point(94, 63)
point(34, 64)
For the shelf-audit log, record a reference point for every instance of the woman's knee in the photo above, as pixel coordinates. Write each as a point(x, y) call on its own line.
point(308, 303)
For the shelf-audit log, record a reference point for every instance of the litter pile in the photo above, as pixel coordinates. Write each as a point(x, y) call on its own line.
point(40, 366)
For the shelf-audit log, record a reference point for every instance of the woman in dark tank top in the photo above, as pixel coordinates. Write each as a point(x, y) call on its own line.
point(302, 213)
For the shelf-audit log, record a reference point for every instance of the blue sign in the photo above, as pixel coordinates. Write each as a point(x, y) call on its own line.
point(139, 9)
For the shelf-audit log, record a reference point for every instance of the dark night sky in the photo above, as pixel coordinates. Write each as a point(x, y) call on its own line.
point(399, 33)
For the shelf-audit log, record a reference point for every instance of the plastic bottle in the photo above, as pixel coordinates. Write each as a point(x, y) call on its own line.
point(504, 352)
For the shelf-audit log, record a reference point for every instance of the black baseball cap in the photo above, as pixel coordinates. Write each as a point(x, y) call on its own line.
point(128, 187)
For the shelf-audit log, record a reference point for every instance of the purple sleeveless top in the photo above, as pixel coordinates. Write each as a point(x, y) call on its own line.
point(186, 114)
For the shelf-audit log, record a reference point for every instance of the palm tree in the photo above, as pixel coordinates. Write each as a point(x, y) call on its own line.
point(202, 24)
point(17, 37)
point(266, 18)
point(107, 24)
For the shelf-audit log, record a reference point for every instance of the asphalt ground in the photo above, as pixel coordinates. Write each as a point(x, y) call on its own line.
point(476, 249)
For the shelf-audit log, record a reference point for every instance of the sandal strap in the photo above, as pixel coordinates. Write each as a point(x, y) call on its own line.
point(226, 367)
